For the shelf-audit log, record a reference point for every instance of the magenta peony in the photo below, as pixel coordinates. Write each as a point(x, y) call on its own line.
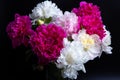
point(90, 18)
point(93, 25)
point(87, 9)
point(47, 42)
point(19, 30)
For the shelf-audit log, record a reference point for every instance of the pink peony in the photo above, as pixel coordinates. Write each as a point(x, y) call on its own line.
point(69, 22)
point(19, 30)
point(93, 25)
point(87, 9)
point(47, 42)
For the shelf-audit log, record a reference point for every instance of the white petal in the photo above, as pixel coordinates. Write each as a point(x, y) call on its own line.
point(45, 9)
point(70, 73)
point(106, 42)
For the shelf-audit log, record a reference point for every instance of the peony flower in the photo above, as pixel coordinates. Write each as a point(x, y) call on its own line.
point(91, 44)
point(106, 42)
point(44, 10)
point(90, 18)
point(93, 25)
point(87, 9)
point(71, 59)
point(69, 22)
point(47, 42)
point(19, 30)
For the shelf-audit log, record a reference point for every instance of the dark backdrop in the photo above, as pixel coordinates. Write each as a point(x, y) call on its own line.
point(105, 68)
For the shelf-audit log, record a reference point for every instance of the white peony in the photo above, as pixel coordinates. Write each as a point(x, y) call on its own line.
point(45, 9)
point(69, 22)
point(91, 44)
point(70, 59)
point(106, 42)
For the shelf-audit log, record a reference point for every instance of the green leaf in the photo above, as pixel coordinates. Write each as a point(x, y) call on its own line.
point(48, 20)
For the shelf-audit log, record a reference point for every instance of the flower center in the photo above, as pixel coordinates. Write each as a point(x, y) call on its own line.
point(69, 58)
point(44, 21)
point(87, 41)
point(39, 22)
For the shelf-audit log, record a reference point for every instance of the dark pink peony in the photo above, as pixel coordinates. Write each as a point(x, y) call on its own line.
point(90, 18)
point(93, 25)
point(19, 30)
point(87, 9)
point(47, 42)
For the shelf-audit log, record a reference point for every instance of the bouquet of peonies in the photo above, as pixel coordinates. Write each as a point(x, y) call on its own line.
point(68, 40)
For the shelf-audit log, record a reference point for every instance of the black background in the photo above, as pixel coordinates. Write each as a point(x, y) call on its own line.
point(105, 68)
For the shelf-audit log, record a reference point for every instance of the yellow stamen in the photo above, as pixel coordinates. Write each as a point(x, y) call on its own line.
point(87, 41)
point(39, 22)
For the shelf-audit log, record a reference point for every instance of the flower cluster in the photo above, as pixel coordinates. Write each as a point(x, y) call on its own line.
point(69, 39)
